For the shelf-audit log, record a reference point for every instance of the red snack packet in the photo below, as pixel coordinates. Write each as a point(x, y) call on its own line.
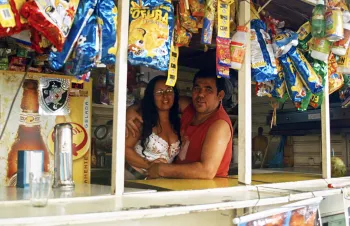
point(52, 20)
point(223, 51)
point(11, 21)
point(196, 7)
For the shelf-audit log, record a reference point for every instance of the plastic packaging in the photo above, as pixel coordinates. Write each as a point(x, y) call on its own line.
point(107, 20)
point(181, 37)
point(336, 81)
point(223, 51)
point(295, 87)
point(318, 20)
point(334, 25)
point(150, 36)
point(86, 50)
point(263, 89)
point(196, 7)
point(320, 49)
point(238, 45)
point(344, 63)
point(53, 19)
point(304, 36)
point(279, 85)
point(187, 21)
point(263, 59)
point(84, 12)
point(208, 22)
point(311, 80)
point(11, 22)
point(283, 42)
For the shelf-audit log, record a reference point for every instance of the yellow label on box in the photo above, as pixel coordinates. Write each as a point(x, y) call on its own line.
point(223, 19)
point(172, 71)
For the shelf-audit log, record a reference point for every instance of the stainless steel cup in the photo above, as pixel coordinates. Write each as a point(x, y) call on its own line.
point(63, 172)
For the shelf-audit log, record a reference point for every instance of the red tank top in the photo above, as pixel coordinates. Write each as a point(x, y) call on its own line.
point(193, 138)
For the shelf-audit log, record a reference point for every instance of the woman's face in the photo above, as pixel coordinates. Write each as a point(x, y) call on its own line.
point(163, 96)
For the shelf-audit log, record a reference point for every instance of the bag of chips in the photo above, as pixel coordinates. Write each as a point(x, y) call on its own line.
point(344, 93)
point(311, 80)
point(196, 7)
point(336, 81)
point(39, 43)
point(264, 89)
point(295, 87)
point(304, 36)
point(263, 59)
point(53, 19)
point(208, 22)
point(279, 85)
point(84, 12)
point(320, 68)
point(283, 42)
point(86, 50)
point(187, 21)
point(11, 22)
point(181, 37)
point(150, 33)
point(107, 19)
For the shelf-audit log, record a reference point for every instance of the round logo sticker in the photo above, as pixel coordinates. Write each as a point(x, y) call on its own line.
point(80, 141)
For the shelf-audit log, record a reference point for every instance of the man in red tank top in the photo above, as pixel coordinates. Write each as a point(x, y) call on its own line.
point(206, 133)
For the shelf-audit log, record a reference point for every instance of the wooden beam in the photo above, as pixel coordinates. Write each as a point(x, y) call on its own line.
point(245, 105)
point(119, 112)
point(326, 133)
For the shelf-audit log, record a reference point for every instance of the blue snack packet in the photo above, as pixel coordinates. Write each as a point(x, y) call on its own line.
point(107, 19)
point(263, 59)
point(309, 77)
point(84, 12)
point(150, 33)
point(85, 53)
point(284, 41)
point(279, 86)
point(295, 87)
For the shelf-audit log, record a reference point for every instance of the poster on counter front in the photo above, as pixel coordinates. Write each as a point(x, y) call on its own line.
point(303, 213)
point(29, 128)
point(346, 201)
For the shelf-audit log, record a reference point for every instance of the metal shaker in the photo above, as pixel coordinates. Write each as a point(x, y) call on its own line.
point(63, 172)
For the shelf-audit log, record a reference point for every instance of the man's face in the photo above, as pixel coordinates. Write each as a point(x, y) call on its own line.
point(205, 97)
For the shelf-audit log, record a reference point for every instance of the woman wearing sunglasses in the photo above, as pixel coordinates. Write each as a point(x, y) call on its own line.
point(159, 139)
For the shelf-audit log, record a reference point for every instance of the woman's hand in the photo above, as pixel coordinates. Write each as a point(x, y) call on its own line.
point(159, 160)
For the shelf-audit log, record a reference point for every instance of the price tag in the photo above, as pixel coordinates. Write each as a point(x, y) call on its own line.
point(7, 18)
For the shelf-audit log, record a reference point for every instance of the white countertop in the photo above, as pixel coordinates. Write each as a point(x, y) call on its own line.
point(88, 208)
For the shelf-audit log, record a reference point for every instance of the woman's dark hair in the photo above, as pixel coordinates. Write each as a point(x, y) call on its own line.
point(150, 113)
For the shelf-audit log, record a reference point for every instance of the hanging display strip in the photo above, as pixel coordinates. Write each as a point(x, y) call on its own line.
point(173, 67)
point(346, 201)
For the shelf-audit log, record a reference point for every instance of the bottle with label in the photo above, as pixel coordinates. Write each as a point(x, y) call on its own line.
point(318, 23)
point(28, 136)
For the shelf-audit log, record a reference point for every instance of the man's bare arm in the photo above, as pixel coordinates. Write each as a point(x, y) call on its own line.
point(214, 148)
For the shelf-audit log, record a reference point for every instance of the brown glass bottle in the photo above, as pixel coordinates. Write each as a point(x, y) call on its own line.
point(29, 133)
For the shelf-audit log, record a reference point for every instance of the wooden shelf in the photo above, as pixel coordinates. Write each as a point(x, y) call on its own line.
point(102, 106)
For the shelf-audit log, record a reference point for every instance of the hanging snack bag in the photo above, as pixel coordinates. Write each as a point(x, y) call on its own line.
point(263, 59)
point(181, 37)
point(320, 49)
point(53, 19)
point(84, 12)
point(344, 63)
point(320, 68)
point(11, 22)
point(336, 81)
point(208, 22)
point(307, 73)
point(223, 51)
point(334, 25)
point(187, 21)
point(304, 36)
point(279, 85)
point(150, 33)
point(85, 53)
point(107, 20)
point(295, 87)
point(283, 42)
point(196, 7)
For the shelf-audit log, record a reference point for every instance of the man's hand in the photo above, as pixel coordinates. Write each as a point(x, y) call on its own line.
point(153, 171)
point(133, 118)
point(159, 160)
